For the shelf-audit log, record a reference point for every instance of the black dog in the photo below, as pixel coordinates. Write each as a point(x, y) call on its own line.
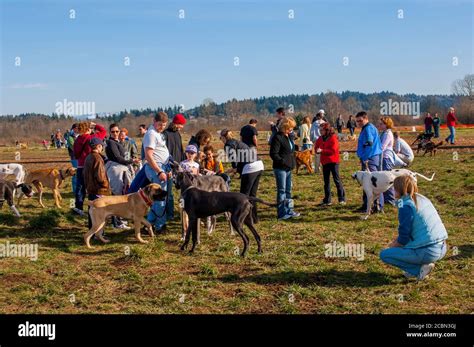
point(201, 204)
point(8, 192)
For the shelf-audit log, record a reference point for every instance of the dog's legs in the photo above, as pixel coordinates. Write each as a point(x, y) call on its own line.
point(149, 226)
point(57, 197)
point(137, 223)
point(237, 221)
point(96, 227)
point(184, 223)
point(370, 202)
point(15, 211)
point(249, 224)
point(228, 216)
point(20, 197)
point(309, 168)
point(39, 188)
point(191, 224)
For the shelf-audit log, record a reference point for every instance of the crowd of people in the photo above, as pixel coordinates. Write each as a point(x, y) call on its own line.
point(113, 164)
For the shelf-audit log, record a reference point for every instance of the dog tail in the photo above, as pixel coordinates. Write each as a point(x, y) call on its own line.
point(426, 178)
point(253, 199)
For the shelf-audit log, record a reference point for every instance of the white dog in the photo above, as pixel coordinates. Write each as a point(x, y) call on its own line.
point(378, 182)
point(16, 170)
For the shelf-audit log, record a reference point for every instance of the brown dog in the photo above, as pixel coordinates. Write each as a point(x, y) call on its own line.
point(131, 206)
point(304, 158)
point(51, 178)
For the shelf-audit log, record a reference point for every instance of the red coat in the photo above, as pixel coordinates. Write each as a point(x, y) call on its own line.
point(330, 149)
point(82, 147)
point(451, 119)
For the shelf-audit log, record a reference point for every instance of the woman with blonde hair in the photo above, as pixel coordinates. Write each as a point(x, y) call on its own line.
point(388, 160)
point(305, 140)
point(282, 150)
point(421, 239)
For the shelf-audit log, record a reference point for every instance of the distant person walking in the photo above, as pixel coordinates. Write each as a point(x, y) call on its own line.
point(327, 146)
point(339, 124)
point(428, 124)
point(305, 138)
point(351, 124)
point(282, 148)
point(369, 151)
point(436, 125)
point(249, 134)
point(87, 131)
point(451, 123)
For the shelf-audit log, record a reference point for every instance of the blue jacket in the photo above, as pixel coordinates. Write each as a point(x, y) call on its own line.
point(368, 144)
point(419, 227)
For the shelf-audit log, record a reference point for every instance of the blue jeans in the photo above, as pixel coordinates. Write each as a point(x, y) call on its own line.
point(74, 178)
point(374, 165)
point(428, 129)
point(158, 216)
point(436, 130)
point(452, 133)
point(139, 181)
point(80, 192)
point(389, 195)
point(283, 182)
point(411, 259)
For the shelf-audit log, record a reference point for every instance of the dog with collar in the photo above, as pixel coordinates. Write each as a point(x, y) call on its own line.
point(8, 192)
point(377, 182)
point(201, 204)
point(51, 178)
point(13, 169)
point(131, 206)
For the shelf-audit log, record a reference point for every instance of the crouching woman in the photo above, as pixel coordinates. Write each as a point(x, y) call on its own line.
point(421, 237)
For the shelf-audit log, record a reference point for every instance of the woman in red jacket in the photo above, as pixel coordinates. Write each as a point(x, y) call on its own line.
point(87, 131)
point(451, 123)
point(327, 146)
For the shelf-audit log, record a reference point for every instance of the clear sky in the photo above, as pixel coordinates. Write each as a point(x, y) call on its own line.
point(184, 61)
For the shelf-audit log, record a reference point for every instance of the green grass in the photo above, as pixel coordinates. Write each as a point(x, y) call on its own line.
point(291, 276)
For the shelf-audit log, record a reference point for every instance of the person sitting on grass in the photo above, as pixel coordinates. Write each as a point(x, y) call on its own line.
point(421, 239)
point(189, 164)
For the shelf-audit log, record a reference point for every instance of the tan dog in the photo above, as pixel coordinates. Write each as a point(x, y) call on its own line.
point(51, 178)
point(131, 206)
point(304, 158)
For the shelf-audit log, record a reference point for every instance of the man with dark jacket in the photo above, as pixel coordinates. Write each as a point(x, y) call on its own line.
point(173, 138)
point(282, 148)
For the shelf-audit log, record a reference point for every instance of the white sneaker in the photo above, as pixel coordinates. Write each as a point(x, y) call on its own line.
point(408, 275)
point(294, 214)
point(122, 226)
point(285, 217)
point(425, 270)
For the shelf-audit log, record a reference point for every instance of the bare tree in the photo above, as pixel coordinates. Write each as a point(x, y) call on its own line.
point(464, 87)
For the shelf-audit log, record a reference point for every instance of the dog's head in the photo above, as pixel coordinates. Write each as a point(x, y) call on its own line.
point(71, 171)
point(358, 176)
point(154, 192)
point(184, 178)
point(26, 189)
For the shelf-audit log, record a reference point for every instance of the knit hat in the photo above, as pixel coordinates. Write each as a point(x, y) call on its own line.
point(96, 141)
point(179, 119)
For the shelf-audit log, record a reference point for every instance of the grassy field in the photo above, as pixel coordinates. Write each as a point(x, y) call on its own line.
point(291, 276)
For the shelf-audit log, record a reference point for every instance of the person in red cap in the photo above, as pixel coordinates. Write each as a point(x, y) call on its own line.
point(173, 138)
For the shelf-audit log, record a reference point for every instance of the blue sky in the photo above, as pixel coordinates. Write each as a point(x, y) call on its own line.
point(184, 61)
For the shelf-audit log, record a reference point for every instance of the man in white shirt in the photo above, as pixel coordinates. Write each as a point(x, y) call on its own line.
point(158, 170)
point(314, 134)
point(402, 149)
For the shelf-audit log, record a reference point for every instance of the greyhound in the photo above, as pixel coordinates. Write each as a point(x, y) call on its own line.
point(200, 204)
